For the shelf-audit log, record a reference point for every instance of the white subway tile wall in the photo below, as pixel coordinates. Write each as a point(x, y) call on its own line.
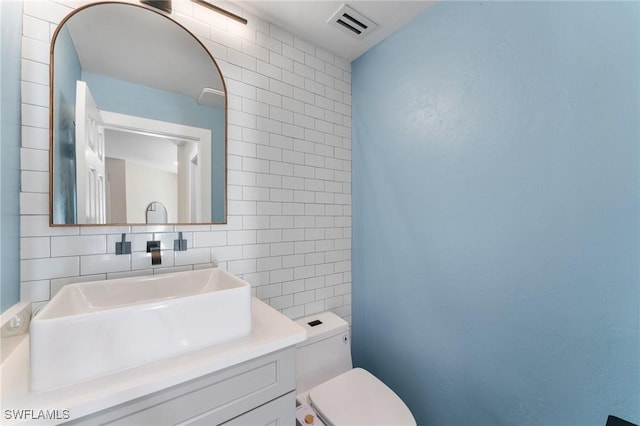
point(289, 172)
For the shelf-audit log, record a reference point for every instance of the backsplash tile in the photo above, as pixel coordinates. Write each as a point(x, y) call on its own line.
point(35, 291)
point(51, 267)
point(192, 256)
point(35, 247)
point(77, 245)
point(34, 72)
point(103, 263)
point(33, 137)
point(289, 173)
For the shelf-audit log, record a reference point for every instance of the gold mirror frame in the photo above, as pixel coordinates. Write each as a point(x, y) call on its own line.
point(51, 117)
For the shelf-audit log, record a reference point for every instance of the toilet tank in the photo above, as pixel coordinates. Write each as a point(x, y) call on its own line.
point(326, 353)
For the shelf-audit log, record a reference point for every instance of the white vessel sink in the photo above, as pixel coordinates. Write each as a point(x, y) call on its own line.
point(91, 329)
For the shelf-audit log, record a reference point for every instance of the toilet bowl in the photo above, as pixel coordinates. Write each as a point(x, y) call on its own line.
point(330, 390)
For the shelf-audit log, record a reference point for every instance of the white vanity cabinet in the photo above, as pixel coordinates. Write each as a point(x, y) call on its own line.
point(246, 381)
point(256, 392)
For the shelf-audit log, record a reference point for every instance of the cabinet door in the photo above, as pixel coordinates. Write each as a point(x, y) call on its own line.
point(280, 412)
point(218, 397)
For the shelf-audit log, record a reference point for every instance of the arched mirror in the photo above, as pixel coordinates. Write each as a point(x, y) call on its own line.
point(138, 115)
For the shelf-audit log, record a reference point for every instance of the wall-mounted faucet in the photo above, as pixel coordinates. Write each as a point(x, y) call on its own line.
point(180, 244)
point(153, 247)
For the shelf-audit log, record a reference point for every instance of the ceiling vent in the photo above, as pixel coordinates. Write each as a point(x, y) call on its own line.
point(350, 20)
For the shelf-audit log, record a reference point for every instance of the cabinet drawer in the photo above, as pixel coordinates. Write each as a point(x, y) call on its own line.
point(220, 396)
point(280, 412)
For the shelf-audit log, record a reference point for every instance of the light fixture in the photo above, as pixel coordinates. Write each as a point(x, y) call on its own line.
point(221, 11)
point(164, 5)
point(209, 96)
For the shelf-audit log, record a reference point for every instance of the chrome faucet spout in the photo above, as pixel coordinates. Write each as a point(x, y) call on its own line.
point(156, 258)
point(153, 247)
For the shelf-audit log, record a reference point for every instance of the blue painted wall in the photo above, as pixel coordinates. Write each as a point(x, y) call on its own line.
point(68, 72)
point(10, 136)
point(133, 99)
point(496, 213)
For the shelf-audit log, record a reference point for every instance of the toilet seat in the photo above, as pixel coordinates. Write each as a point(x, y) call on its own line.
point(357, 397)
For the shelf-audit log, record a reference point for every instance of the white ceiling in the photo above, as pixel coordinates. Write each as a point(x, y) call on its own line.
point(148, 62)
point(308, 19)
point(152, 151)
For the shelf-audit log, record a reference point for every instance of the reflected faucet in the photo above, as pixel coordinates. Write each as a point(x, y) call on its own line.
point(156, 212)
point(153, 247)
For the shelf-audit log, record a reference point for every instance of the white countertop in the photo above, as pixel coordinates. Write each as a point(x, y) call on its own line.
point(270, 332)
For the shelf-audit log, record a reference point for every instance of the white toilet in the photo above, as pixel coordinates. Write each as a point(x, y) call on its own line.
point(330, 390)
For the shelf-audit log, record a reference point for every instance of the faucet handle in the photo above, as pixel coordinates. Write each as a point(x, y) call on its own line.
point(180, 244)
point(123, 247)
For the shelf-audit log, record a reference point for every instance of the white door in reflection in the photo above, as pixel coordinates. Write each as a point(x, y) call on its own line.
point(90, 161)
point(194, 187)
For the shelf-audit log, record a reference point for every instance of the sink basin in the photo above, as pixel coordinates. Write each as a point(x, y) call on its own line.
point(95, 328)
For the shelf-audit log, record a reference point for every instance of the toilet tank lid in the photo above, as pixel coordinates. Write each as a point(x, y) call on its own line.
point(321, 326)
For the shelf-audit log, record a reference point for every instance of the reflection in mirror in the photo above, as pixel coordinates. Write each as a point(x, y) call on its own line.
point(138, 116)
point(156, 213)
